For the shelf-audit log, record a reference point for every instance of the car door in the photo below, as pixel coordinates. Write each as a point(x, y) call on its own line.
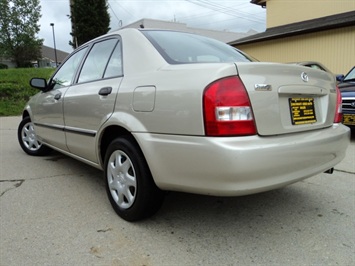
point(48, 111)
point(91, 100)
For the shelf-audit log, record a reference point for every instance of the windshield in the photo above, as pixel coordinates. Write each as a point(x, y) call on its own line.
point(183, 48)
point(350, 76)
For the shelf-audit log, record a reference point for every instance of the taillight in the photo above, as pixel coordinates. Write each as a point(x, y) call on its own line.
point(227, 109)
point(338, 118)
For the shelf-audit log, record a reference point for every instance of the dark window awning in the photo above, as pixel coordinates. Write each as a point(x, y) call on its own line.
point(308, 26)
point(261, 3)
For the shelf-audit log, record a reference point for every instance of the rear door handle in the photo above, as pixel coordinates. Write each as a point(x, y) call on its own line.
point(57, 96)
point(105, 91)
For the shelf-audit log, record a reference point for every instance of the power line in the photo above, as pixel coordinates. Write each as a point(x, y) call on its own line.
point(113, 11)
point(122, 7)
point(210, 9)
point(225, 10)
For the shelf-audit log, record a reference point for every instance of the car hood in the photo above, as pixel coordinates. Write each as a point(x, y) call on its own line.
point(348, 93)
point(347, 86)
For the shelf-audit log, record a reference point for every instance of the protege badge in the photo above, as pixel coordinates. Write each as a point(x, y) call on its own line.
point(262, 87)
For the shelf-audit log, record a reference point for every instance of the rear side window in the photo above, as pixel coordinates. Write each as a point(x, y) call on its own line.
point(114, 67)
point(182, 48)
point(96, 62)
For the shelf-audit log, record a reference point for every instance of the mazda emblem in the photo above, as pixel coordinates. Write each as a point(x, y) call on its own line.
point(304, 76)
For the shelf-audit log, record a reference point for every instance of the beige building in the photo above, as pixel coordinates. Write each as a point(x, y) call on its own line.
point(317, 30)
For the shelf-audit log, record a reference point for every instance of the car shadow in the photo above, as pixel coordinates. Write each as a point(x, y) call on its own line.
point(256, 205)
point(183, 213)
point(352, 138)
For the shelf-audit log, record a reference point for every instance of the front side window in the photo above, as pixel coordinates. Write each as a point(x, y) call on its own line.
point(96, 62)
point(65, 74)
point(182, 48)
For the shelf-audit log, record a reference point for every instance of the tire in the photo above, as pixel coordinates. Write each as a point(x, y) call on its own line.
point(129, 183)
point(28, 139)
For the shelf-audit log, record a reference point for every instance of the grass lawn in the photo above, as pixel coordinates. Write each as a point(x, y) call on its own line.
point(15, 89)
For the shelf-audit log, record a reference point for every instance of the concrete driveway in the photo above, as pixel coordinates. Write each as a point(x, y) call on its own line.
point(54, 211)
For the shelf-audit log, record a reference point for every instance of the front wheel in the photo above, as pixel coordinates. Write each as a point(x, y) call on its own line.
point(28, 139)
point(129, 184)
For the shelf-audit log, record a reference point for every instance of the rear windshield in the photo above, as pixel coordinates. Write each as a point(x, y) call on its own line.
point(184, 48)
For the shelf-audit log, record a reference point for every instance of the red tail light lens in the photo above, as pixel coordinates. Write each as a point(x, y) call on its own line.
point(338, 118)
point(227, 109)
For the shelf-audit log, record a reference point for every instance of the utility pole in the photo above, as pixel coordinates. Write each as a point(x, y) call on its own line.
point(55, 48)
point(73, 24)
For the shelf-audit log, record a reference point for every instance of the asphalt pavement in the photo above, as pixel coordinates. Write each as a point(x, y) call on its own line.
point(54, 211)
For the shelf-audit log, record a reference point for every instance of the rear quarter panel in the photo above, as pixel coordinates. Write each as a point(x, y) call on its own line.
point(177, 107)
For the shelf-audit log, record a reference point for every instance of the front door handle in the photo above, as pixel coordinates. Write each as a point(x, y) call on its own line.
point(57, 96)
point(105, 91)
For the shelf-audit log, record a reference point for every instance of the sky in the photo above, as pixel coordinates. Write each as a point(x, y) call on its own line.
point(232, 15)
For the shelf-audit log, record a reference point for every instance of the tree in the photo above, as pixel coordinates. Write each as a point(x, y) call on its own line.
point(89, 19)
point(18, 29)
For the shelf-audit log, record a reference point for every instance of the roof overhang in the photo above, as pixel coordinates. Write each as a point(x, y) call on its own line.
point(309, 26)
point(261, 3)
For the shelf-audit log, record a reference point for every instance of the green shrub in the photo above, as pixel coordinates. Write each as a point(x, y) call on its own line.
point(15, 89)
point(3, 66)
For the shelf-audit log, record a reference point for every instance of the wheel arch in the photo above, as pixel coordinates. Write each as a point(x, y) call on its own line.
point(108, 135)
point(25, 113)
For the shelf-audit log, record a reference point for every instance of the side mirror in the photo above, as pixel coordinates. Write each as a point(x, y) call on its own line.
point(39, 83)
point(340, 77)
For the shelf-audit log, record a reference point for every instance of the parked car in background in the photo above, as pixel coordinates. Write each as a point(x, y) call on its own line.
point(161, 110)
point(347, 89)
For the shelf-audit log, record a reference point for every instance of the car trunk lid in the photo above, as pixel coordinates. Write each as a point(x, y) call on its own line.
point(288, 98)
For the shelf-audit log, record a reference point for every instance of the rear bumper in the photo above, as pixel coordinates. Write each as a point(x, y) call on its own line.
point(241, 165)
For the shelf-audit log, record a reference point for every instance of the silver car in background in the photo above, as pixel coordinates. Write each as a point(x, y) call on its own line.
point(171, 111)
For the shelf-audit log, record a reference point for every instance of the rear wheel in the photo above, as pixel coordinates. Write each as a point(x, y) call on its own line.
point(129, 184)
point(28, 139)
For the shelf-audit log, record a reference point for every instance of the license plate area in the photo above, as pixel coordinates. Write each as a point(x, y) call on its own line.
point(349, 119)
point(302, 111)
